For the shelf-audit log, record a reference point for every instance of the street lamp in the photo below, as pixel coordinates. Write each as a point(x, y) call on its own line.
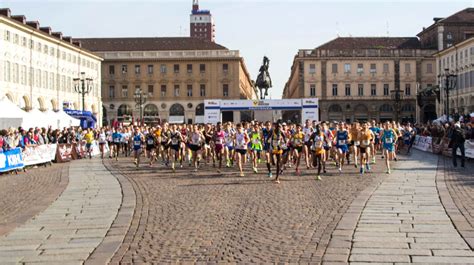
point(397, 96)
point(450, 81)
point(83, 86)
point(140, 98)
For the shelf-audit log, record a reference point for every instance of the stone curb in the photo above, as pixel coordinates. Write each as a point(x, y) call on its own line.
point(457, 218)
point(119, 228)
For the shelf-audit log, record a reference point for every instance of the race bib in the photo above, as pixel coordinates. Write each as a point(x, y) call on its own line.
point(150, 142)
point(388, 140)
point(174, 141)
point(219, 141)
point(137, 143)
point(342, 142)
point(366, 142)
point(256, 141)
point(356, 143)
point(116, 140)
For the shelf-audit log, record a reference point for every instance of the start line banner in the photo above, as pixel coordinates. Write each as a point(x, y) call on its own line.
point(11, 160)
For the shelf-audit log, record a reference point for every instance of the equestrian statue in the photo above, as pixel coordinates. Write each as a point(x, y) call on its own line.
point(264, 81)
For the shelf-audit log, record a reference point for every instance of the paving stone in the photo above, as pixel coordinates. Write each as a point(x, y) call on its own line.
point(450, 260)
point(378, 258)
point(392, 251)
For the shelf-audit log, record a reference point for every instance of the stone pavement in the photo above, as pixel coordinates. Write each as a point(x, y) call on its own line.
point(26, 194)
point(402, 220)
point(69, 230)
point(209, 217)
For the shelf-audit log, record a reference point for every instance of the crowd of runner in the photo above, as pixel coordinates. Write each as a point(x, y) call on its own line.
point(279, 146)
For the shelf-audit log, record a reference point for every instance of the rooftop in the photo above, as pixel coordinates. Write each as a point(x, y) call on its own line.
point(148, 44)
point(385, 43)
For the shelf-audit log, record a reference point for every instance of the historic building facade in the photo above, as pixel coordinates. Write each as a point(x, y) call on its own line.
point(38, 67)
point(201, 23)
point(457, 59)
point(359, 78)
point(177, 74)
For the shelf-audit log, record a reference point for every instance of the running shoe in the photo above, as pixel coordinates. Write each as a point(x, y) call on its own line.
point(395, 159)
point(255, 170)
point(356, 165)
point(361, 170)
point(297, 172)
point(318, 177)
point(195, 170)
point(340, 169)
point(388, 171)
point(270, 175)
point(277, 181)
point(242, 174)
point(367, 166)
point(324, 171)
point(259, 160)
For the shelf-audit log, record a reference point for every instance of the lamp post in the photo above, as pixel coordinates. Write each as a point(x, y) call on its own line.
point(83, 86)
point(140, 99)
point(397, 96)
point(450, 81)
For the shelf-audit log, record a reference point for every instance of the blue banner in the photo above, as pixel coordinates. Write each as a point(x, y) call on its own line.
point(10, 160)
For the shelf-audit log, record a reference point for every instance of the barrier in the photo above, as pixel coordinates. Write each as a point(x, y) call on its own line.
point(11, 160)
point(64, 153)
point(428, 144)
point(423, 143)
point(39, 154)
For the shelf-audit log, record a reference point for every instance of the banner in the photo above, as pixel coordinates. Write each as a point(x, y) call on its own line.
point(310, 110)
point(64, 153)
point(423, 143)
point(263, 104)
point(212, 111)
point(39, 154)
point(468, 149)
point(10, 160)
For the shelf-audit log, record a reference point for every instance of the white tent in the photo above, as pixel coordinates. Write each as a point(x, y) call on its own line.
point(66, 120)
point(36, 118)
point(11, 115)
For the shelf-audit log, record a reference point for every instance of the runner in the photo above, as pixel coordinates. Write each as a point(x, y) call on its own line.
point(89, 138)
point(297, 141)
point(317, 146)
point(219, 136)
point(389, 138)
point(308, 131)
point(277, 142)
point(255, 146)
point(150, 141)
point(376, 130)
point(342, 138)
point(229, 144)
point(116, 138)
point(102, 139)
point(175, 140)
point(241, 141)
point(195, 145)
point(165, 140)
point(137, 146)
point(267, 133)
point(364, 136)
point(354, 144)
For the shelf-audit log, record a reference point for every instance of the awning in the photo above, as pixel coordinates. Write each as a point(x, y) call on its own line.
point(88, 120)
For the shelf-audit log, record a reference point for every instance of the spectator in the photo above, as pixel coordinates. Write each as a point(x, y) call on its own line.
point(458, 137)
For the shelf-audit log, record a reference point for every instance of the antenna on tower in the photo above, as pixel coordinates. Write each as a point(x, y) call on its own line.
point(388, 29)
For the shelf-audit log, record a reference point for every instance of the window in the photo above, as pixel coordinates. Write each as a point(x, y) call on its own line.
point(45, 49)
point(176, 68)
point(189, 68)
point(125, 91)
point(429, 68)
point(348, 89)
point(202, 90)
point(225, 68)
point(334, 89)
point(407, 68)
point(124, 69)
point(16, 73)
point(7, 35)
point(312, 68)
point(150, 90)
point(23, 41)
point(347, 68)
point(407, 89)
point(111, 69)
point(373, 68)
point(202, 68)
point(312, 90)
point(111, 91)
point(176, 90)
point(386, 89)
point(360, 68)
point(163, 68)
point(150, 69)
point(190, 91)
point(137, 69)
point(334, 68)
point(15, 38)
point(385, 68)
point(361, 89)
point(225, 90)
point(163, 90)
point(449, 36)
point(373, 90)
point(38, 47)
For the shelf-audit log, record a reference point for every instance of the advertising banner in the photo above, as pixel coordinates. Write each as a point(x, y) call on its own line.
point(423, 143)
point(468, 149)
point(310, 109)
point(39, 154)
point(64, 153)
point(10, 160)
point(212, 111)
point(264, 104)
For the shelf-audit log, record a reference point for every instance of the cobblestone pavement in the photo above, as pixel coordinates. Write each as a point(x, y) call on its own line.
point(402, 221)
point(26, 194)
point(70, 229)
point(211, 217)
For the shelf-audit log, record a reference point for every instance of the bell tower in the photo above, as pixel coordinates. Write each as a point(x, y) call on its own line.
point(201, 23)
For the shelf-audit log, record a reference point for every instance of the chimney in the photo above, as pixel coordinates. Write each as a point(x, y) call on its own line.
point(5, 12)
point(20, 18)
point(77, 43)
point(68, 39)
point(436, 19)
point(58, 35)
point(46, 30)
point(34, 24)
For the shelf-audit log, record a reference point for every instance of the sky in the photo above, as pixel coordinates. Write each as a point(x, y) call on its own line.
point(275, 28)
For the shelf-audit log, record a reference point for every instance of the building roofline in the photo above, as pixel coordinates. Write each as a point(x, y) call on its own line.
point(454, 47)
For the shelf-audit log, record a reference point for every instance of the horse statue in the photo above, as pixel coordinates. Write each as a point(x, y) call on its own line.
point(264, 82)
